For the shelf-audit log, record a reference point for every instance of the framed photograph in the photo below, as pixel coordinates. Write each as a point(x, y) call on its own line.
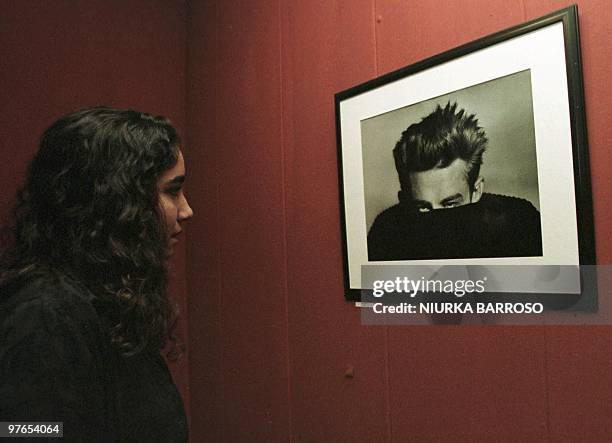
point(476, 156)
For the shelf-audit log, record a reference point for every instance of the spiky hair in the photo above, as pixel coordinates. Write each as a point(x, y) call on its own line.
point(439, 139)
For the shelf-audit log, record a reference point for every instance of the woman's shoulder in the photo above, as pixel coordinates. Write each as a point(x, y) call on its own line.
point(54, 353)
point(46, 301)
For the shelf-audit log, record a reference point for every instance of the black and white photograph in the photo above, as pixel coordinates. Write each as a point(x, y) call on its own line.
point(471, 153)
point(476, 156)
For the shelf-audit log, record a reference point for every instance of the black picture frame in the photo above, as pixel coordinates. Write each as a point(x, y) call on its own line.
point(352, 107)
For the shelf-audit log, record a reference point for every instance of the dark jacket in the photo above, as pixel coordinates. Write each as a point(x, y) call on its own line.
point(57, 364)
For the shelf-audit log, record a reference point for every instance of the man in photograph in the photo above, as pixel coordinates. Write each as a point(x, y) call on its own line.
point(443, 211)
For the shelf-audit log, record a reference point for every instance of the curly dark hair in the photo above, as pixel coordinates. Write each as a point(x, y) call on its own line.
point(89, 207)
point(437, 140)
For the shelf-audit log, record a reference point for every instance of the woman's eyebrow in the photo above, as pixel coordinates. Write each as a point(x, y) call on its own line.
point(178, 180)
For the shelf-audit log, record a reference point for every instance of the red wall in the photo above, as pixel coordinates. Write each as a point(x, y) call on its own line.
point(59, 56)
point(271, 336)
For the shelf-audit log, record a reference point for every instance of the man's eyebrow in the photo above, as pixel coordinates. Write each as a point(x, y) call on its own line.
point(452, 198)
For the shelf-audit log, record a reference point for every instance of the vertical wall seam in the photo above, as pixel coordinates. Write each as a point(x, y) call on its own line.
point(284, 224)
point(375, 17)
point(388, 386)
point(185, 315)
point(386, 335)
point(546, 384)
point(220, 406)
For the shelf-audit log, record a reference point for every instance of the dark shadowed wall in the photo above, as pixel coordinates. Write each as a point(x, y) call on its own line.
point(63, 55)
point(271, 336)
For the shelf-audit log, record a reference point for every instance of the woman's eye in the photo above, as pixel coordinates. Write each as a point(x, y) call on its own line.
point(174, 192)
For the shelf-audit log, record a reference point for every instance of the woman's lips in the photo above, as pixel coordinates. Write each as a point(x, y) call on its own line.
point(176, 235)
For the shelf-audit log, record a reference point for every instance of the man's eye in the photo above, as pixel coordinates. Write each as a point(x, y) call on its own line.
point(174, 192)
point(451, 204)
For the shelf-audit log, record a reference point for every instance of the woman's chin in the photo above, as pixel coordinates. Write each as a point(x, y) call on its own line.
point(170, 247)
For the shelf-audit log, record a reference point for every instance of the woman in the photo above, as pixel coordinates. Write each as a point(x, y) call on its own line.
point(83, 305)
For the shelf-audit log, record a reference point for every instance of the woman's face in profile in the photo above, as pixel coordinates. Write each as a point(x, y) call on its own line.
point(172, 201)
